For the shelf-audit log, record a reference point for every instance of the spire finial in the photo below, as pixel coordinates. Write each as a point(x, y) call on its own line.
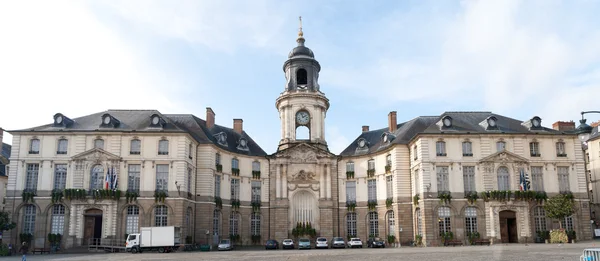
point(300, 39)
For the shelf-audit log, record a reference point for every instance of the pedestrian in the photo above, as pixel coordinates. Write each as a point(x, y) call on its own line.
point(24, 249)
point(10, 250)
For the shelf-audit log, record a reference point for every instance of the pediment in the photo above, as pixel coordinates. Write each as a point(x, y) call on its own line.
point(504, 156)
point(96, 154)
point(303, 152)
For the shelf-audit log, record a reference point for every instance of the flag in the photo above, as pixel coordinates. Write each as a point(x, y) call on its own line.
point(521, 180)
point(107, 179)
point(114, 179)
point(527, 183)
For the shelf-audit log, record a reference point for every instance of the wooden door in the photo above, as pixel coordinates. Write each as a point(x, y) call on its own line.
point(504, 231)
point(512, 228)
point(88, 228)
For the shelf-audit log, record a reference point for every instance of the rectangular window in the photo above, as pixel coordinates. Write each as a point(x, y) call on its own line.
point(534, 149)
point(467, 149)
point(133, 220)
point(32, 177)
point(416, 155)
point(444, 220)
point(440, 148)
point(417, 182)
point(563, 179)
point(567, 223)
point(235, 189)
point(371, 164)
point(373, 224)
point(62, 146)
point(163, 147)
point(190, 149)
point(255, 224)
point(133, 177)
point(560, 149)
point(58, 220)
point(351, 191)
point(372, 189)
point(388, 160)
point(256, 190)
point(255, 166)
point(217, 159)
point(60, 176)
point(29, 219)
point(470, 220)
point(389, 186)
point(500, 146)
point(442, 179)
point(419, 222)
point(34, 146)
point(162, 177)
point(537, 178)
point(469, 178)
point(189, 180)
point(217, 186)
point(351, 224)
point(136, 147)
point(161, 213)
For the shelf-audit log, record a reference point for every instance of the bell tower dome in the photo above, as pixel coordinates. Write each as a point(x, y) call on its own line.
point(302, 105)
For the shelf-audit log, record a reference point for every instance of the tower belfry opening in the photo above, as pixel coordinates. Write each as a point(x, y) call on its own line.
point(301, 77)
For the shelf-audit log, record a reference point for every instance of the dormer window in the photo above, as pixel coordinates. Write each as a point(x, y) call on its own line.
point(156, 121)
point(387, 137)
point(135, 147)
point(362, 143)
point(61, 120)
point(221, 138)
point(447, 122)
point(536, 122)
point(34, 146)
point(109, 121)
point(362, 146)
point(242, 144)
point(301, 77)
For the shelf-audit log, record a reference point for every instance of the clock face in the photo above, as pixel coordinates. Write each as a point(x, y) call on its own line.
point(243, 142)
point(536, 122)
point(361, 143)
point(447, 122)
point(155, 120)
point(59, 119)
point(302, 117)
point(106, 120)
point(385, 138)
point(492, 123)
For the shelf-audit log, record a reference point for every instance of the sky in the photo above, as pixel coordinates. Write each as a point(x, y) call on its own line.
point(419, 58)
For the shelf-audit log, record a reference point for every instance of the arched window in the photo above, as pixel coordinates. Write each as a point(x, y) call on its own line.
point(444, 220)
point(161, 214)
point(135, 147)
point(373, 224)
point(29, 219)
point(391, 221)
point(58, 220)
point(301, 77)
point(216, 222)
point(132, 220)
point(62, 146)
point(97, 177)
point(470, 220)
point(255, 224)
point(302, 133)
point(418, 221)
point(351, 224)
point(539, 219)
point(503, 179)
point(98, 144)
point(234, 223)
point(34, 146)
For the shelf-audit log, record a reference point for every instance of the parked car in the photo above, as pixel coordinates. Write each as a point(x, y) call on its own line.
point(375, 242)
point(304, 243)
point(355, 242)
point(225, 244)
point(287, 243)
point(272, 244)
point(338, 242)
point(321, 243)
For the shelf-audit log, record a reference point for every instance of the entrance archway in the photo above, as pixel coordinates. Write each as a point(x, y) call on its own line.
point(508, 226)
point(92, 226)
point(304, 209)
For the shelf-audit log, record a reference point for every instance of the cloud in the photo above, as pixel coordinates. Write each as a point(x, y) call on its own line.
point(336, 141)
point(511, 57)
point(57, 57)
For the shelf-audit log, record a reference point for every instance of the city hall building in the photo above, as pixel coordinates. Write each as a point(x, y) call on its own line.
point(107, 174)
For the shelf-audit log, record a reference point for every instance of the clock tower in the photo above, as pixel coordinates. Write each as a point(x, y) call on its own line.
point(302, 106)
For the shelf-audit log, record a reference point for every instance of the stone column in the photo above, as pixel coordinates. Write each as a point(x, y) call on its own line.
point(322, 184)
point(284, 189)
point(328, 182)
point(278, 182)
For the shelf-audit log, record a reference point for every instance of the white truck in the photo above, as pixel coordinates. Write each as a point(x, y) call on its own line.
point(161, 239)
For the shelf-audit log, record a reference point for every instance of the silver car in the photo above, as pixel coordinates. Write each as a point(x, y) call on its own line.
point(338, 242)
point(321, 243)
point(225, 244)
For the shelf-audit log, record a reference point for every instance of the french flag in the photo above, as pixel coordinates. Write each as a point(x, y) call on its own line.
point(107, 180)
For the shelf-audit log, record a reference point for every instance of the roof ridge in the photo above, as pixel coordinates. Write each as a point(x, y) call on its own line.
point(131, 110)
point(468, 112)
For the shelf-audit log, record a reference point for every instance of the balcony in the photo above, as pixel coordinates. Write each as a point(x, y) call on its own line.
point(388, 169)
point(561, 155)
point(218, 202)
point(235, 172)
point(34, 152)
point(351, 205)
point(441, 154)
point(219, 167)
point(349, 174)
point(163, 153)
point(160, 195)
point(28, 194)
point(61, 152)
point(536, 155)
point(370, 173)
point(372, 204)
point(135, 153)
point(235, 203)
point(255, 205)
point(256, 174)
point(467, 154)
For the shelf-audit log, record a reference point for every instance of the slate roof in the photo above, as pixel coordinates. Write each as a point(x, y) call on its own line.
point(462, 123)
point(595, 134)
point(140, 121)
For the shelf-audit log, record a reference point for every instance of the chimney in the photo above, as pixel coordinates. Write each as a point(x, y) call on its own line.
point(564, 125)
point(238, 125)
point(392, 123)
point(365, 128)
point(210, 118)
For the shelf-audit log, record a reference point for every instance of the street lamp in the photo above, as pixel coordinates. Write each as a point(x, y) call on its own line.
point(583, 130)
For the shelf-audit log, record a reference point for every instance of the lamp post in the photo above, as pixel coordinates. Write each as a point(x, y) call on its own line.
point(583, 130)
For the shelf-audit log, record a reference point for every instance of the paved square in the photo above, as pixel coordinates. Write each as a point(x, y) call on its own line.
point(537, 252)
